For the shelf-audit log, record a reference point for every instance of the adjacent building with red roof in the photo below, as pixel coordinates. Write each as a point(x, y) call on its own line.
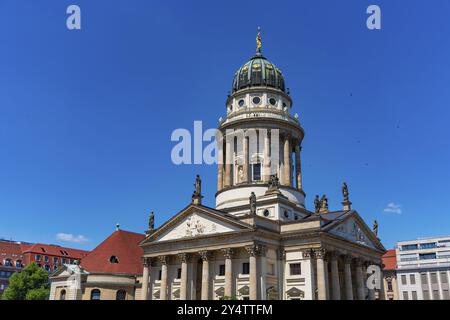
point(112, 271)
point(390, 275)
point(15, 255)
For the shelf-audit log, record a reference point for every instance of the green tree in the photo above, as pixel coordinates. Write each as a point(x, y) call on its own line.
point(29, 284)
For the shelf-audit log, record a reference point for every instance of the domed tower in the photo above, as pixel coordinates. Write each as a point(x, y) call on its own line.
point(260, 143)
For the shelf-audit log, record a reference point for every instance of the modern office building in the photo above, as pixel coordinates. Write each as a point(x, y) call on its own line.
point(423, 269)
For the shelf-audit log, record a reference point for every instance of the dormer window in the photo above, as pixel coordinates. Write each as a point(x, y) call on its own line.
point(113, 259)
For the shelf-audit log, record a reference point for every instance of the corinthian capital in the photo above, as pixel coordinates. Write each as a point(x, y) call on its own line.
point(163, 259)
point(228, 253)
point(256, 250)
point(204, 255)
point(184, 257)
point(320, 253)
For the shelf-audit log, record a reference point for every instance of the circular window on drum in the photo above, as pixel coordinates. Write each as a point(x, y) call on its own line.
point(241, 103)
point(272, 101)
point(256, 100)
point(266, 213)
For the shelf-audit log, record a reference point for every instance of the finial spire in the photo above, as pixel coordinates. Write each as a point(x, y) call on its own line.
point(258, 41)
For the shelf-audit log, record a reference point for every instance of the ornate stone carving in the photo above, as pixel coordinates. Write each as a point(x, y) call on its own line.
point(308, 254)
point(252, 200)
point(320, 253)
point(184, 257)
point(345, 191)
point(197, 195)
point(151, 222)
point(375, 227)
point(323, 204)
point(163, 259)
point(256, 250)
point(281, 254)
point(316, 204)
point(205, 255)
point(228, 253)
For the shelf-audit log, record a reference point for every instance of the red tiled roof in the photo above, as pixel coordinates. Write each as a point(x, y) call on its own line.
point(390, 260)
point(52, 250)
point(122, 244)
point(9, 248)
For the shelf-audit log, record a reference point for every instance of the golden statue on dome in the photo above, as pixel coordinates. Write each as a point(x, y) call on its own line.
point(258, 41)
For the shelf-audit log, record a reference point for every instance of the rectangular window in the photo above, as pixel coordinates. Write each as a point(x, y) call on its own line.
point(46, 258)
point(71, 261)
point(245, 268)
point(424, 278)
point(179, 273)
point(389, 285)
point(159, 274)
point(409, 247)
point(412, 279)
point(433, 277)
point(444, 278)
point(64, 261)
point(427, 256)
point(38, 257)
point(403, 279)
point(435, 294)
point(426, 295)
point(271, 269)
point(295, 269)
point(257, 172)
point(222, 270)
point(405, 295)
point(428, 245)
point(445, 294)
point(414, 295)
point(55, 260)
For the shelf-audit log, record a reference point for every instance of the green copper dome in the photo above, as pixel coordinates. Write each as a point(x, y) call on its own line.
point(258, 72)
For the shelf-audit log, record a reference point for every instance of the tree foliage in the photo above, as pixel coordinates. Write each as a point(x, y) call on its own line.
point(29, 284)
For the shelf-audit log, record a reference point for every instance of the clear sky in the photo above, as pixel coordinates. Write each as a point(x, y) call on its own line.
point(86, 115)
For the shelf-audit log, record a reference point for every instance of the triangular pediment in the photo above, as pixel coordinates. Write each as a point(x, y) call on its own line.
point(353, 229)
point(196, 221)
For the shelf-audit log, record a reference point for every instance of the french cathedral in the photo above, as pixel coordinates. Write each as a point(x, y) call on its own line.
point(260, 241)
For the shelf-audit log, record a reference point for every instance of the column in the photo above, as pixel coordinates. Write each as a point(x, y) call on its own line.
point(163, 287)
point(348, 278)
point(266, 169)
point(246, 159)
point(145, 278)
point(321, 269)
point(298, 169)
point(287, 162)
point(359, 280)
point(205, 275)
point(220, 165)
point(309, 254)
point(255, 290)
point(281, 266)
point(336, 293)
point(228, 252)
point(228, 161)
point(184, 272)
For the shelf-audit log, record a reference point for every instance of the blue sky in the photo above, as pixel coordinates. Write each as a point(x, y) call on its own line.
point(86, 116)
